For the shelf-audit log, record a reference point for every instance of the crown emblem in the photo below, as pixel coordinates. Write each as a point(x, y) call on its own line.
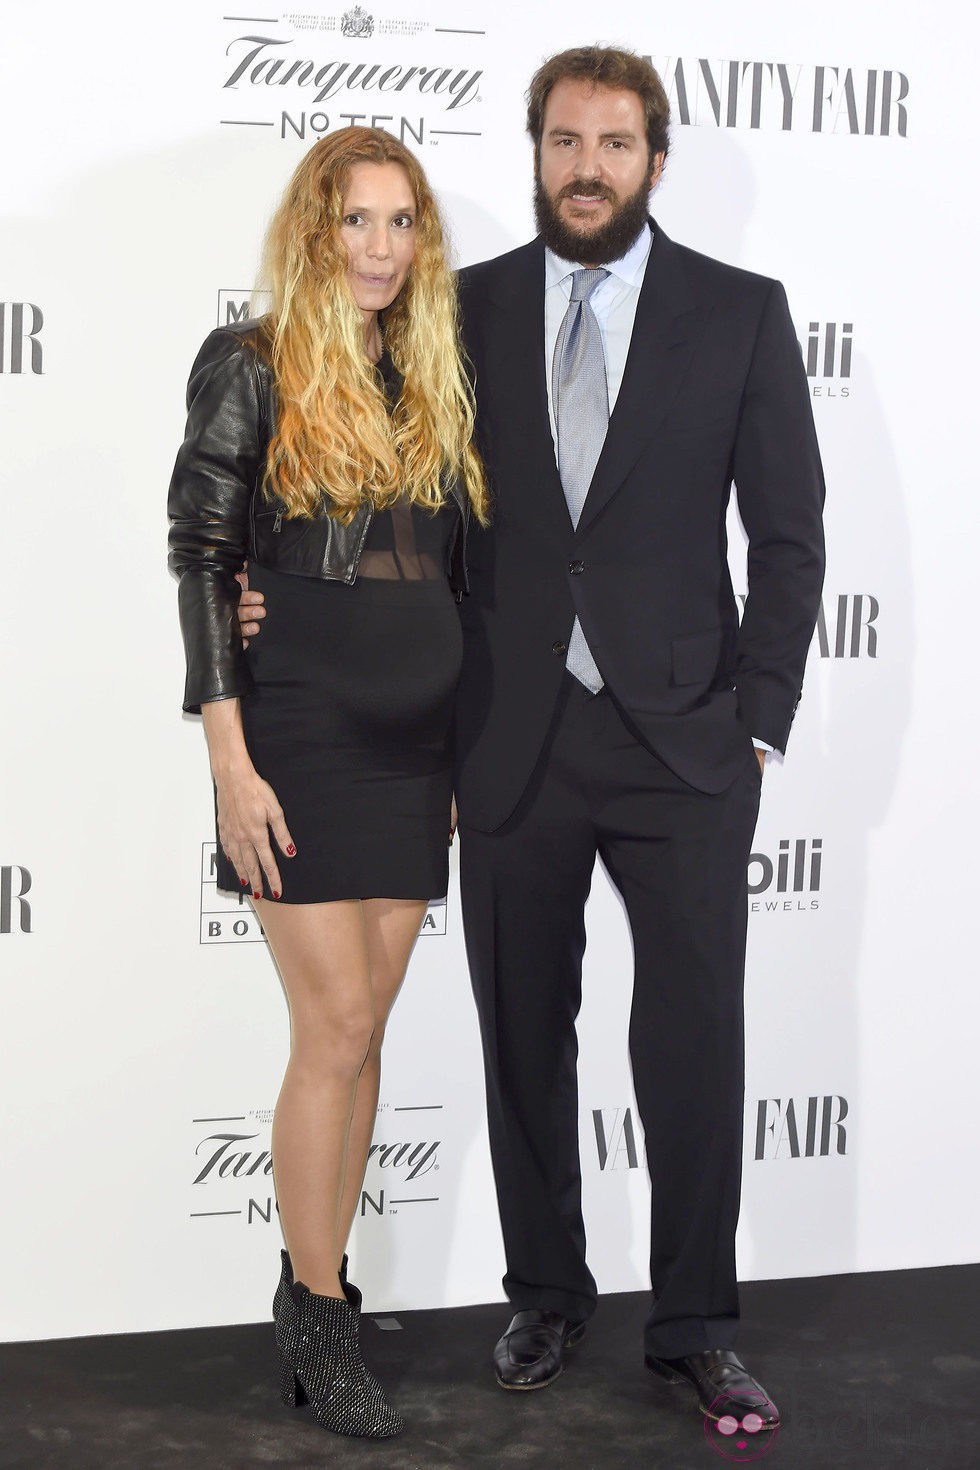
point(357, 23)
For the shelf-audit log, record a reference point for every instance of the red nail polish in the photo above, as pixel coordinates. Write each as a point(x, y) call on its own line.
point(274, 894)
point(244, 882)
point(291, 849)
point(256, 894)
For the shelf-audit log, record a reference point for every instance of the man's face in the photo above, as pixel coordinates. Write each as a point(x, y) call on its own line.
point(594, 173)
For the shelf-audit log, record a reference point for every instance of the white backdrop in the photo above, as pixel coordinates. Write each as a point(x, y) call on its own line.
point(141, 1037)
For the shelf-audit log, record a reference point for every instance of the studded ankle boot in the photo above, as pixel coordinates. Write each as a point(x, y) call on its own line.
point(320, 1362)
point(283, 1302)
point(348, 1288)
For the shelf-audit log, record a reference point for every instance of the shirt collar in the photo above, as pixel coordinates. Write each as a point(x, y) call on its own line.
point(628, 268)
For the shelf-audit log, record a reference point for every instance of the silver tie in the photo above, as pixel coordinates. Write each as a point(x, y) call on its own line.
point(581, 400)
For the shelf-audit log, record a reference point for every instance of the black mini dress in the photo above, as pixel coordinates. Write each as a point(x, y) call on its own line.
point(350, 720)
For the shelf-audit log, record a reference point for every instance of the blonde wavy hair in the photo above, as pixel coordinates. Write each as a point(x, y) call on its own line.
point(336, 444)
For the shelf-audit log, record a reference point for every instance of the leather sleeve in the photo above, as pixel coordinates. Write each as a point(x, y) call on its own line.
point(780, 487)
point(211, 489)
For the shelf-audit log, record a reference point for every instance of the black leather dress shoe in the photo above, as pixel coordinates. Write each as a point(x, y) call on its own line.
point(531, 1352)
point(723, 1385)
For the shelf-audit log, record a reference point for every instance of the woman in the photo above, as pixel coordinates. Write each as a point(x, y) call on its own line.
point(329, 443)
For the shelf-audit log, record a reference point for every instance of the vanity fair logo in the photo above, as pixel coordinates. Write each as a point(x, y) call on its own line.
point(21, 351)
point(228, 918)
point(291, 74)
point(800, 1128)
point(616, 1139)
point(15, 908)
point(846, 625)
point(232, 1165)
point(785, 1128)
point(785, 97)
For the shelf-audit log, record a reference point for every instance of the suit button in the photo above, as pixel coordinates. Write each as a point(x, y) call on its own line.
point(559, 648)
point(575, 567)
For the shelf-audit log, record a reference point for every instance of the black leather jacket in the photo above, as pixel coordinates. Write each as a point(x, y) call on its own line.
point(219, 514)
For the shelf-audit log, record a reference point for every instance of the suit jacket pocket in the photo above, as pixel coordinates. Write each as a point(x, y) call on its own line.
point(694, 659)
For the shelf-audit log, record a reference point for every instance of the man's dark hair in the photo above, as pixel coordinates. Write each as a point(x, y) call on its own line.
point(603, 66)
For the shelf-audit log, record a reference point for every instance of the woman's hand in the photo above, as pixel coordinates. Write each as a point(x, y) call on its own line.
point(247, 805)
point(247, 810)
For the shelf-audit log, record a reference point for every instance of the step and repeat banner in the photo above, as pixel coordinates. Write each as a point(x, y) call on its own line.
point(143, 1030)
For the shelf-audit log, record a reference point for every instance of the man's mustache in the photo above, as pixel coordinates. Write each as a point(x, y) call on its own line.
point(594, 188)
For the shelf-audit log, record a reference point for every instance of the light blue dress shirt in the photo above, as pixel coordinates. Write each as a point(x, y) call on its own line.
point(614, 303)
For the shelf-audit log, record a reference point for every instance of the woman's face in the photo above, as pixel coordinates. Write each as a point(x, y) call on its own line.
point(379, 229)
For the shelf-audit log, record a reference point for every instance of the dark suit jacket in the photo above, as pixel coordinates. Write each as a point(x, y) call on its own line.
point(714, 391)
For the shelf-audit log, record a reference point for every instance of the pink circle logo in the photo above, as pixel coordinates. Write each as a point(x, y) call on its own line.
point(740, 1439)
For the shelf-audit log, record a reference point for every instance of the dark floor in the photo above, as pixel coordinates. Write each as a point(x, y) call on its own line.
point(871, 1371)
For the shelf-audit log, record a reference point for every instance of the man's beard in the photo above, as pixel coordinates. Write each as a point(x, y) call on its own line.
point(591, 247)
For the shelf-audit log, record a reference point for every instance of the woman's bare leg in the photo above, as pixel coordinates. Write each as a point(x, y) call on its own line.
point(391, 928)
point(323, 954)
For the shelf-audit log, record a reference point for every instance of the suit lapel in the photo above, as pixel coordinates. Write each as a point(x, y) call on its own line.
point(520, 392)
point(665, 331)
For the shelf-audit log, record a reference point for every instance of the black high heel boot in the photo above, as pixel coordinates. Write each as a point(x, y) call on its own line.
point(283, 1302)
point(284, 1307)
point(320, 1361)
point(349, 1289)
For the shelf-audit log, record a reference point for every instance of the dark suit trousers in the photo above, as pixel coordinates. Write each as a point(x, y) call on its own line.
point(679, 859)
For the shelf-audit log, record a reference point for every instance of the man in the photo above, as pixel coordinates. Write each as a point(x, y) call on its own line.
point(610, 699)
